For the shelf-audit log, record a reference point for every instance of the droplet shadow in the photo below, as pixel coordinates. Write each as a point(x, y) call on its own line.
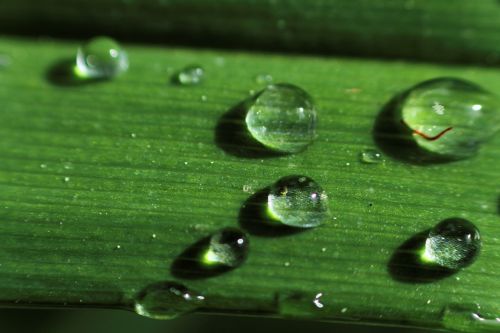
point(253, 218)
point(63, 73)
point(232, 135)
point(395, 139)
point(406, 264)
point(189, 264)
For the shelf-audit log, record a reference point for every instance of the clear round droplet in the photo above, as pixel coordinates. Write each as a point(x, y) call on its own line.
point(297, 201)
point(450, 118)
point(227, 247)
point(282, 117)
point(453, 243)
point(101, 57)
point(190, 76)
point(371, 156)
point(166, 300)
point(264, 79)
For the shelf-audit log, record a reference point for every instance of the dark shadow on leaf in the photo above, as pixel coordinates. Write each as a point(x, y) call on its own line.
point(406, 265)
point(395, 139)
point(189, 264)
point(232, 135)
point(62, 73)
point(254, 219)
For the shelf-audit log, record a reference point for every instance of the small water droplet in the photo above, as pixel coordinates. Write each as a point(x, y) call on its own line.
point(133, 135)
point(297, 201)
point(204, 98)
point(166, 300)
point(190, 75)
point(228, 247)
point(449, 118)
point(453, 243)
point(371, 156)
point(118, 246)
point(470, 318)
point(43, 166)
point(263, 79)
point(66, 179)
point(282, 117)
point(101, 57)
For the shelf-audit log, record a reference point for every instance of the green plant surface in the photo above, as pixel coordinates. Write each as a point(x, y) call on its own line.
point(461, 31)
point(104, 184)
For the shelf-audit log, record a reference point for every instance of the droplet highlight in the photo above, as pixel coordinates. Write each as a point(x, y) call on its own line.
point(282, 117)
point(371, 156)
point(453, 243)
point(190, 76)
point(297, 201)
point(449, 118)
point(101, 58)
point(228, 247)
point(167, 300)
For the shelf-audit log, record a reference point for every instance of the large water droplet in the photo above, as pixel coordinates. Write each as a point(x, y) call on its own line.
point(190, 76)
point(297, 201)
point(101, 58)
point(282, 117)
point(449, 118)
point(166, 300)
point(228, 247)
point(453, 243)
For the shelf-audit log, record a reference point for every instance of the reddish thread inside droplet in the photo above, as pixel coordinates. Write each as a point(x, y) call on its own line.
point(428, 137)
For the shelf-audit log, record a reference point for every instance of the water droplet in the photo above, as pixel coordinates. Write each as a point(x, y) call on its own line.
point(371, 156)
point(470, 318)
point(133, 135)
point(297, 201)
point(101, 57)
point(228, 247)
point(263, 79)
point(449, 118)
point(43, 166)
point(204, 98)
point(190, 76)
point(166, 300)
point(453, 243)
point(282, 117)
point(66, 179)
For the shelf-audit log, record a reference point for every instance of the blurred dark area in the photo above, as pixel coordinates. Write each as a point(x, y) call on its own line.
point(110, 321)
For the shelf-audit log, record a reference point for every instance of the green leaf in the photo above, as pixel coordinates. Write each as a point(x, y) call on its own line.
point(103, 185)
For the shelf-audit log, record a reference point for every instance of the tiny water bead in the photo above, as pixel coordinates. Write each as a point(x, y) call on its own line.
point(453, 243)
point(449, 118)
point(371, 156)
point(190, 76)
point(166, 300)
point(101, 58)
point(297, 201)
point(228, 247)
point(282, 117)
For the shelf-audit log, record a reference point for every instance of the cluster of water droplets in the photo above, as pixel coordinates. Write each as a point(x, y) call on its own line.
point(446, 118)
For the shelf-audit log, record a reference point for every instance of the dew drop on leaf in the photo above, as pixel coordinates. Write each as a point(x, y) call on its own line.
point(297, 201)
point(449, 118)
point(190, 75)
point(282, 117)
point(453, 243)
point(101, 58)
point(166, 300)
point(227, 247)
point(371, 156)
